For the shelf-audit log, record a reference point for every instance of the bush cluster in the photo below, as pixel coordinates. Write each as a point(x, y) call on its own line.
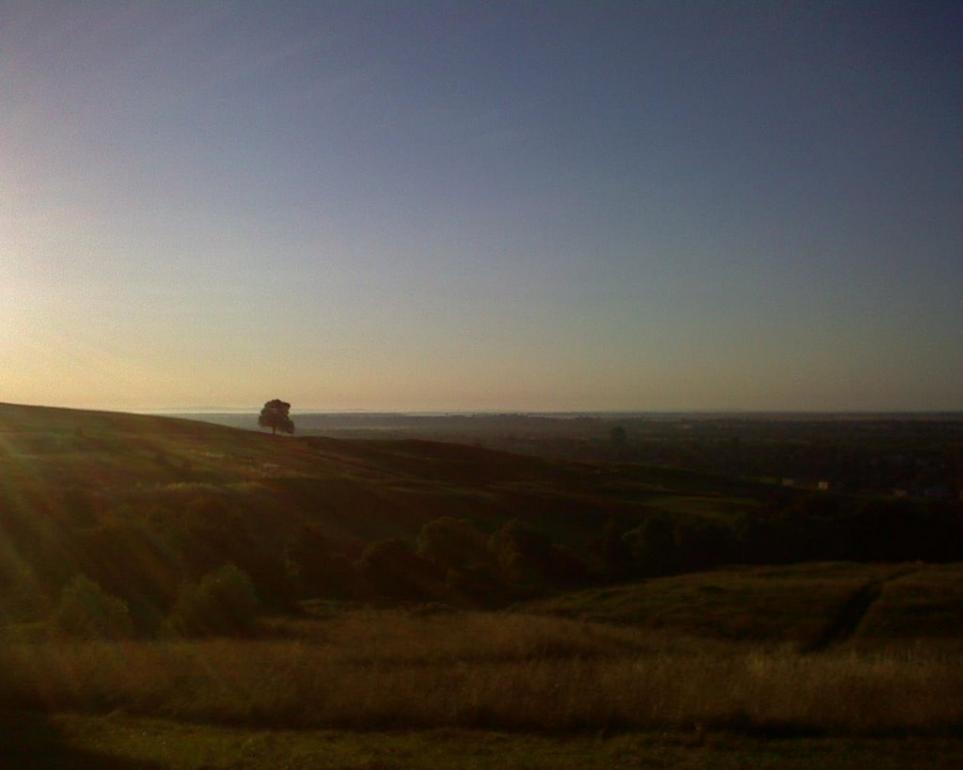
point(86, 611)
point(223, 602)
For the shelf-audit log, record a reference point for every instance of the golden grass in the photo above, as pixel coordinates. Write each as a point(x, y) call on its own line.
point(389, 669)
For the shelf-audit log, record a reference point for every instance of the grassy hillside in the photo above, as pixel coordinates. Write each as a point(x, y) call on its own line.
point(141, 504)
point(809, 606)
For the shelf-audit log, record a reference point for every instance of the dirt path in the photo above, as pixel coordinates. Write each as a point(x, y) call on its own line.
point(847, 618)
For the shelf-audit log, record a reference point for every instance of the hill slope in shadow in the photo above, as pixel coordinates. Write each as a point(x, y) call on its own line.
point(142, 503)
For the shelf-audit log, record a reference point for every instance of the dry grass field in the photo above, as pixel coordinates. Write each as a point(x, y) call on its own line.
point(394, 670)
point(379, 690)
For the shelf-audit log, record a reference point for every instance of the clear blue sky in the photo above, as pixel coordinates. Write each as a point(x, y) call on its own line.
point(650, 205)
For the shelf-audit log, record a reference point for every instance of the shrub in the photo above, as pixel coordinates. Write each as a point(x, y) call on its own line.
point(316, 570)
point(453, 544)
point(525, 557)
point(86, 611)
point(392, 570)
point(222, 603)
point(652, 544)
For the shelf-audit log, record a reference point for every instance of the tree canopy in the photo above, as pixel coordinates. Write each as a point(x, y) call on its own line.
point(275, 415)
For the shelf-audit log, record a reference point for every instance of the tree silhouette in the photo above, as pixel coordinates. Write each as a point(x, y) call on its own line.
point(619, 438)
point(618, 435)
point(275, 416)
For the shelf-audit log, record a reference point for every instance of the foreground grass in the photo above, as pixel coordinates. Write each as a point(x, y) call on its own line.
point(391, 670)
point(76, 742)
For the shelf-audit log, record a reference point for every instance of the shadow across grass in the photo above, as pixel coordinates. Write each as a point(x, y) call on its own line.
point(29, 741)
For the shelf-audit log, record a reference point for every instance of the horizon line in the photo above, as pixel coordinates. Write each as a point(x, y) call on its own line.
point(253, 410)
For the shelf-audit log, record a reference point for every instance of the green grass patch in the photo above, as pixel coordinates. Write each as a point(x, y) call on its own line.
point(925, 603)
point(784, 604)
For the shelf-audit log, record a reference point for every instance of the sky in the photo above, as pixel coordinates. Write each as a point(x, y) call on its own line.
point(482, 205)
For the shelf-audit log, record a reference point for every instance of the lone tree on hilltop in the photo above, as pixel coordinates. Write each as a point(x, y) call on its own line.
point(275, 416)
point(618, 436)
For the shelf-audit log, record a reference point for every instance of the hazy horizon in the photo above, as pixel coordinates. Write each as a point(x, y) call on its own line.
point(465, 207)
point(253, 411)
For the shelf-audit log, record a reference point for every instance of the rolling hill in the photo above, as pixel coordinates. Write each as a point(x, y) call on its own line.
point(142, 503)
